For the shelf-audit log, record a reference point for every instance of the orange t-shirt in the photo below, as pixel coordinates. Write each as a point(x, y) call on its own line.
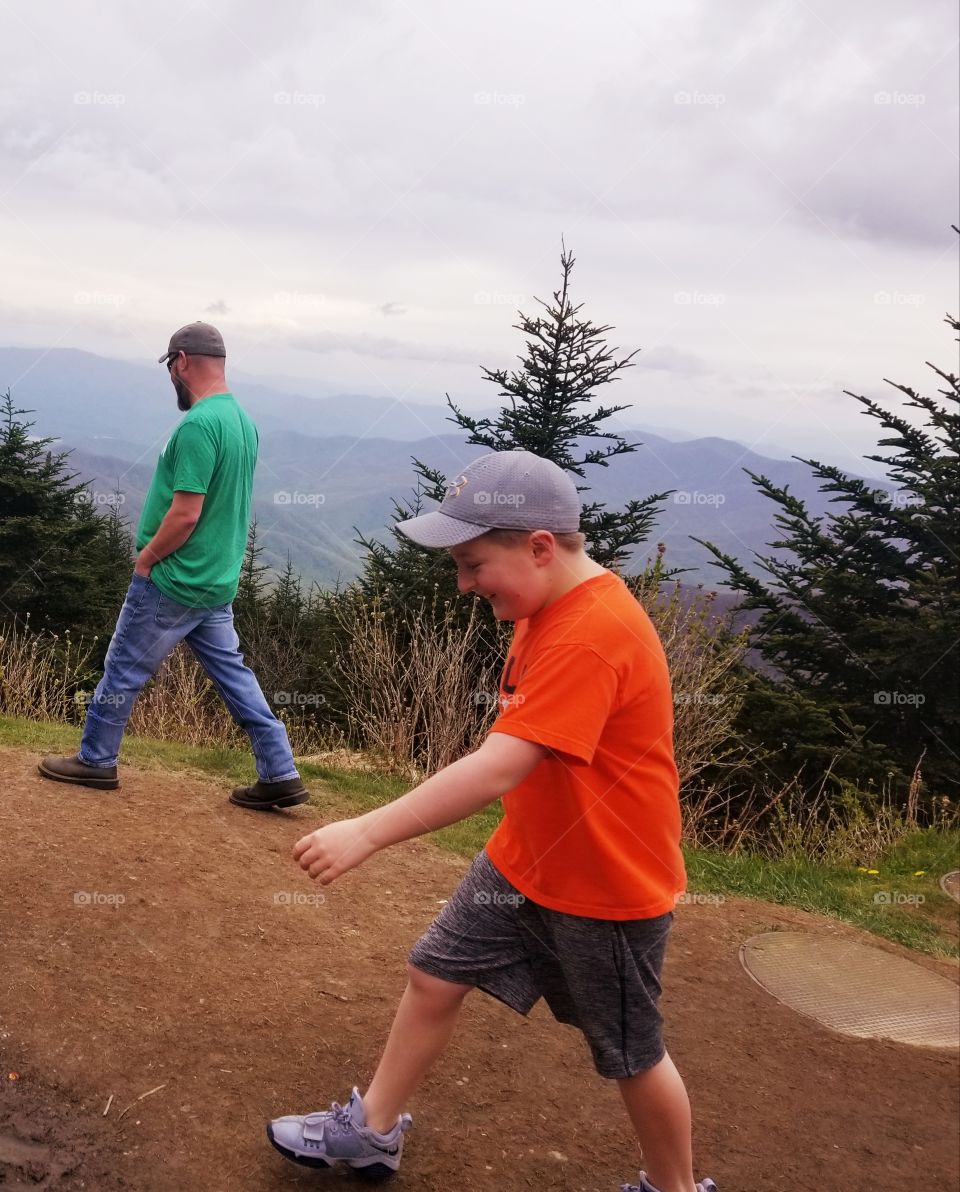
point(594, 829)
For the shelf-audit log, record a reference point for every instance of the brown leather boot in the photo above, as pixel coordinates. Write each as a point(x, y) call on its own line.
point(265, 796)
point(71, 769)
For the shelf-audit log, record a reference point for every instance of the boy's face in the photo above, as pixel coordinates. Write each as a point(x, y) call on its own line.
point(514, 578)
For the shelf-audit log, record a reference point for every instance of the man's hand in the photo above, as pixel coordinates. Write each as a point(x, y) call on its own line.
point(334, 849)
point(178, 524)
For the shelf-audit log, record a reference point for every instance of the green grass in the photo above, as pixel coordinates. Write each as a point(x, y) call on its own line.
point(928, 922)
point(912, 909)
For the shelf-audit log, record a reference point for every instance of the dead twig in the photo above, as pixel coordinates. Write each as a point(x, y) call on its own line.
point(148, 1093)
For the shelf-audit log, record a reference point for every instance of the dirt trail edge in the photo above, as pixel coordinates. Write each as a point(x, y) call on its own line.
point(157, 938)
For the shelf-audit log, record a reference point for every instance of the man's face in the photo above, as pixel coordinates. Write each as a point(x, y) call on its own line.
point(183, 393)
point(512, 578)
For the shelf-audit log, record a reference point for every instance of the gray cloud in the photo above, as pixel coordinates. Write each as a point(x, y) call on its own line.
point(740, 183)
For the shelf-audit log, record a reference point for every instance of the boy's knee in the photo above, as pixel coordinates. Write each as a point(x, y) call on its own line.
point(435, 988)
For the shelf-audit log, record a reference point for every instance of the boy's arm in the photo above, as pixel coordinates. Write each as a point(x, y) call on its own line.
point(450, 795)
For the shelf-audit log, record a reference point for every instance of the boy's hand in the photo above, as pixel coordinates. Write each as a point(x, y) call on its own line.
point(334, 849)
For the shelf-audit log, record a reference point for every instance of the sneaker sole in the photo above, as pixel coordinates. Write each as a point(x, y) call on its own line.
point(97, 784)
point(371, 1171)
point(262, 804)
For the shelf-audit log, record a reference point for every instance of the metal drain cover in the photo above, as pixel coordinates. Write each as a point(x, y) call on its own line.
point(950, 884)
point(855, 989)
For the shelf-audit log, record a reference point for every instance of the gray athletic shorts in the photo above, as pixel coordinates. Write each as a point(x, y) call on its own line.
point(600, 975)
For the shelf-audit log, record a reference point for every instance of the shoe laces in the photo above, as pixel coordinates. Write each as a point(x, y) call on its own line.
point(340, 1117)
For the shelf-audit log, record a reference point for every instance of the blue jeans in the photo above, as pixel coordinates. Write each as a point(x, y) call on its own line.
point(149, 627)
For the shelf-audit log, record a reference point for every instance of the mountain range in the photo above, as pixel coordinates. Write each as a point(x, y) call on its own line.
point(331, 466)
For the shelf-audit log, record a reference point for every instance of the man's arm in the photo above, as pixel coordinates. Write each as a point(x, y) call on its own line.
point(177, 526)
point(447, 797)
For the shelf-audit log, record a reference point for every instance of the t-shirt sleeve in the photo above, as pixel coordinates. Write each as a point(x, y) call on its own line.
point(194, 459)
point(562, 701)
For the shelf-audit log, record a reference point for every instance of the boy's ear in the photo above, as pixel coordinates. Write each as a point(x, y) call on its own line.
point(544, 546)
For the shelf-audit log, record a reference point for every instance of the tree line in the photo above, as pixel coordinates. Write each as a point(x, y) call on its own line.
point(856, 616)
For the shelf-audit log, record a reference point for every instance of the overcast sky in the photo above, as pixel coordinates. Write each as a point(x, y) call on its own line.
point(758, 194)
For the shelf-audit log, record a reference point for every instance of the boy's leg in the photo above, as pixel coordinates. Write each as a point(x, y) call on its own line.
point(216, 645)
point(473, 943)
point(422, 1027)
point(659, 1109)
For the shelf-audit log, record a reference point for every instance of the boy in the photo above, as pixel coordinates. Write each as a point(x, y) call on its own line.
point(572, 898)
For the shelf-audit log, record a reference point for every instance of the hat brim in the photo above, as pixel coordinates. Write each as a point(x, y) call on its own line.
point(438, 530)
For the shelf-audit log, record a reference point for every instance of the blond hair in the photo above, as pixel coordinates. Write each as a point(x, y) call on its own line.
point(571, 542)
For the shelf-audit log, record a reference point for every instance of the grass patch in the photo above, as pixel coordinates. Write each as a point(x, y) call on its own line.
point(912, 909)
point(902, 901)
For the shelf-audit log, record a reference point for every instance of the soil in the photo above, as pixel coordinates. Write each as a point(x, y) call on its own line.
point(160, 954)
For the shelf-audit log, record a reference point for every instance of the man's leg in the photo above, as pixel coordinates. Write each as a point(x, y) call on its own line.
point(424, 1022)
point(659, 1109)
point(140, 643)
point(216, 645)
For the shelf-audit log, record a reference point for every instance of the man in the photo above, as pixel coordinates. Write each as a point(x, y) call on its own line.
point(190, 542)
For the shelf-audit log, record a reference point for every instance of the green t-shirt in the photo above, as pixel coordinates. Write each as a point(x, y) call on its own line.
point(213, 451)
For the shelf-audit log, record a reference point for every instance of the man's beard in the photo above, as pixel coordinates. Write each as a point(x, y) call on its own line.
point(183, 394)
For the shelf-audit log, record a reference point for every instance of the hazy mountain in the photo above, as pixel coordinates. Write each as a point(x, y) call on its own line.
point(310, 493)
point(328, 465)
point(121, 408)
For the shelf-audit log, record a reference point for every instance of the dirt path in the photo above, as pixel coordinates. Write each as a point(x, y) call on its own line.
point(159, 937)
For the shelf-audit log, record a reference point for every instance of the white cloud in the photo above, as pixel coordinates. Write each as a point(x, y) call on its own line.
point(733, 152)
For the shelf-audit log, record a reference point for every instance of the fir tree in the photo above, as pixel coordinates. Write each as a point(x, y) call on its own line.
point(566, 360)
point(60, 562)
point(249, 600)
point(861, 616)
point(548, 411)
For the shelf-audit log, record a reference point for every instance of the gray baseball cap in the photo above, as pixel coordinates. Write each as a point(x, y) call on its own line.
point(196, 339)
point(505, 490)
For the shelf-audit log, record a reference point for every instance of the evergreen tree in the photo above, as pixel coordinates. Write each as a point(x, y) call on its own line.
point(548, 412)
point(112, 556)
point(249, 600)
point(861, 616)
point(60, 562)
point(566, 361)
